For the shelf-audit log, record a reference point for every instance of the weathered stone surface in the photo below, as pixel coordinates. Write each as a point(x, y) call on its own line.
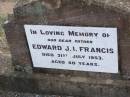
point(69, 13)
point(5, 64)
point(104, 13)
point(118, 5)
point(57, 85)
point(18, 94)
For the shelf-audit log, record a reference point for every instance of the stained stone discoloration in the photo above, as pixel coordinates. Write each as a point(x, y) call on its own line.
point(50, 4)
point(55, 85)
point(69, 13)
point(121, 5)
point(29, 10)
point(104, 13)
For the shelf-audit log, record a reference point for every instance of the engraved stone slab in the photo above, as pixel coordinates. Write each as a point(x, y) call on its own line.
point(73, 48)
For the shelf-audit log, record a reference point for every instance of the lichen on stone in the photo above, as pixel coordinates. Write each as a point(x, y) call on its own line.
point(120, 5)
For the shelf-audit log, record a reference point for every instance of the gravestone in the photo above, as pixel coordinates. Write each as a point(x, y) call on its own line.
point(70, 47)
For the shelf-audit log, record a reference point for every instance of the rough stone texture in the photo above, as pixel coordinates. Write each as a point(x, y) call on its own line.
point(70, 13)
point(106, 13)
point(17, 94)
point(5, 63)
point(119, 5)
point(60, 85)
